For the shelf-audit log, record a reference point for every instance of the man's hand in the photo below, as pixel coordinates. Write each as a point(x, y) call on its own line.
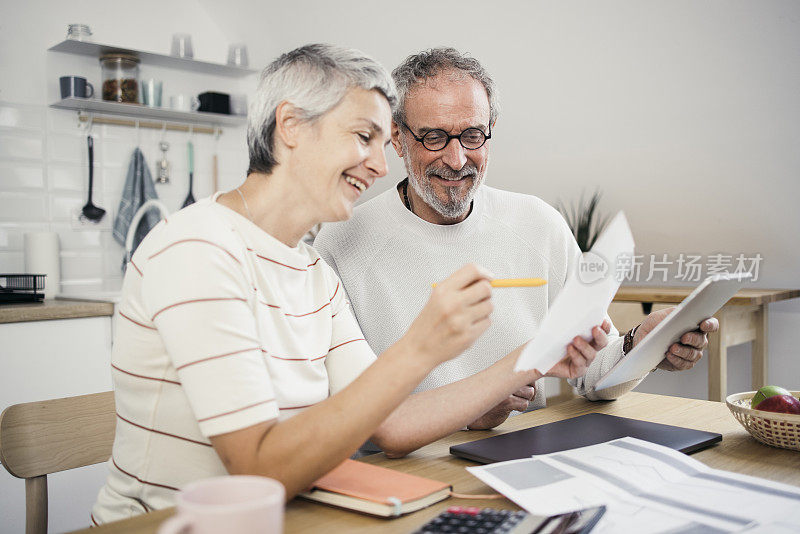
point(517, 401)
point(580, 353)
point(688, 351)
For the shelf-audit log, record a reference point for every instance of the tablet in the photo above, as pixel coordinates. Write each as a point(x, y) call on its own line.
point(702, 303)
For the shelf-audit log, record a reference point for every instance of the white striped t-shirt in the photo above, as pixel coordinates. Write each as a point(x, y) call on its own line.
point(220, 327)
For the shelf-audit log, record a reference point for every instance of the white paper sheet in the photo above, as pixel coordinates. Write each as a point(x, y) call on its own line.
point(646, 488)
point(584, 300)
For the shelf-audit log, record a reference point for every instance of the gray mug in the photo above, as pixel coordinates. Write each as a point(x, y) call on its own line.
point(75, 86)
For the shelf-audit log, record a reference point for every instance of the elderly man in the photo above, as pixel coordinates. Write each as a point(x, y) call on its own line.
point(443, 216)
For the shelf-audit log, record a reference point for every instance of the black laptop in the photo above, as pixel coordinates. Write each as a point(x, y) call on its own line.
point(589, 429)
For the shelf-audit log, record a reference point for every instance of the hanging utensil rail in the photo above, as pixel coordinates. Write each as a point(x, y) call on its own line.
point(156, 125)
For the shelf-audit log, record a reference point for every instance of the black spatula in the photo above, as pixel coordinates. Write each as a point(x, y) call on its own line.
point(90, 211)
point(190, 196)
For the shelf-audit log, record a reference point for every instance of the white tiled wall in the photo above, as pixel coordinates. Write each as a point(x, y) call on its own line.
point(44, 179)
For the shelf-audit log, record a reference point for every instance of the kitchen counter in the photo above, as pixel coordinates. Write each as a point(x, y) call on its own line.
point(54, 309)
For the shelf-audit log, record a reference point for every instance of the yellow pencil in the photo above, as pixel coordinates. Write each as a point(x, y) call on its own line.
point(516, 282)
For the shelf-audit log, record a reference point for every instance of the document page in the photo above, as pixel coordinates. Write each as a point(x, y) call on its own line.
point(646, 488)
point(584, 299)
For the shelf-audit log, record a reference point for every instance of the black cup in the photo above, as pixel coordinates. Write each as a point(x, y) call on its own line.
point(215, 102)
point(75, 86)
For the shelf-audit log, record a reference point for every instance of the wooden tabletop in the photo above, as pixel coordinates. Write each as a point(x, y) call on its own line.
point(674, 295)
point(738, 452)
point(54, 309)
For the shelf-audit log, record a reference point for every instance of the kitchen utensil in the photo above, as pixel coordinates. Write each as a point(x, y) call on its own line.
point(215, 102)
point(237, 55)
point(75, 86)
point(182, 102)
point(90, 211)
point(151, 93)
point(79, 32)
point(120, 78)
point(163, 164)
point(21, 288)
point(190, 196)
point(182, 46)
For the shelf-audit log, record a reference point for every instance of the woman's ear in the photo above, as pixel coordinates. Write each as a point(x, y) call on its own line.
point(286, 123)
point(396, 143)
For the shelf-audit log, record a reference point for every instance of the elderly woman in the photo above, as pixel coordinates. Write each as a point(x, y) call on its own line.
point(236, 350)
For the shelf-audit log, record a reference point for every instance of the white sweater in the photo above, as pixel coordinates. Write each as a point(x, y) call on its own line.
point(387, 259)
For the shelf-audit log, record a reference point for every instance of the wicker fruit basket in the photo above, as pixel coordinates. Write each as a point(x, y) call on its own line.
point(776, 429)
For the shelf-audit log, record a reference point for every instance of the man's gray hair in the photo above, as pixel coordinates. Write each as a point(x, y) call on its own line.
point(314, 78)
point(418, 68)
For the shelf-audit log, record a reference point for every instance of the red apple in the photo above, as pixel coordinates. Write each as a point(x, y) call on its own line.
point(780, 404)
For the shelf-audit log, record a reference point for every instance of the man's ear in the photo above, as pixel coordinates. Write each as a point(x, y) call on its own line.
point(396, 143)
point(287, 123)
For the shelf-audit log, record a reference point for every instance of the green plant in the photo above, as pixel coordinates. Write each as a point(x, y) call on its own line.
point(584, 220)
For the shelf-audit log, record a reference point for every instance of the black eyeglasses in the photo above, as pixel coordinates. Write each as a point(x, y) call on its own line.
point(435, 140)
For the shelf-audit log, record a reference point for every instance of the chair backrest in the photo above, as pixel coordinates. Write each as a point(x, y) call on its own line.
point(39, 438)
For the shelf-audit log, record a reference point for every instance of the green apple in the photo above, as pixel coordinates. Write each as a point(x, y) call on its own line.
point(765, 393)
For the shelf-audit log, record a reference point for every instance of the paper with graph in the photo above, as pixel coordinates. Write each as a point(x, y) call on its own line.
point(646, 488)
point(584, 299)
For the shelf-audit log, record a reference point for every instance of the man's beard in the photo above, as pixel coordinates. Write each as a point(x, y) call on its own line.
point(454, 206)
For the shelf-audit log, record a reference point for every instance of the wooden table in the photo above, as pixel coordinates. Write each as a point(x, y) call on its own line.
point(738, 452)
point(743, 319)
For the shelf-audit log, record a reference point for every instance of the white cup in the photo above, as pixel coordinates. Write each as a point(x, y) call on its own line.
point(184, 103)
point(238, 504)
point(239, 104)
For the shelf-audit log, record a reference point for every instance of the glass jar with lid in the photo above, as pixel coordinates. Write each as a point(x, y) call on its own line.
point(120, 78)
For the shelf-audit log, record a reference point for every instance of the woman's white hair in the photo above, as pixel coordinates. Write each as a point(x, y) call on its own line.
point(314, 78)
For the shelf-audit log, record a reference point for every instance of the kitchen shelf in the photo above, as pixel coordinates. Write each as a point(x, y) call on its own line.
point(83, 48)
point(144, 113)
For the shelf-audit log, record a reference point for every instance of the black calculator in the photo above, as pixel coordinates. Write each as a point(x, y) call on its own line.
point(473, 520)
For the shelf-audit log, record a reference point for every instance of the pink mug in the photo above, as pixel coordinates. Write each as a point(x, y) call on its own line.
point(239, 504)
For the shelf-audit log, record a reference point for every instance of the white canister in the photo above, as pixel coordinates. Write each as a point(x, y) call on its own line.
point(42, 256)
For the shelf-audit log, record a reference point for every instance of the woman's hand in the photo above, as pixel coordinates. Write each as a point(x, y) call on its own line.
point(581, 353)
point(456, 314)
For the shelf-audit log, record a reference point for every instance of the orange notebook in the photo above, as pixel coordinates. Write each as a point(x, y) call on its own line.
point(376, 490)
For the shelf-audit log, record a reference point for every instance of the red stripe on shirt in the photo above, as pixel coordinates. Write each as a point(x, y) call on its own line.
point(276, 262)
point(346, 342)
point(94, 520)
point(335, 291)
point(292, 359)
point(234, 411)
point(309, 313)
point(275, 306)
point(121, 470)
point(196, 241)
point(265, 303)
point(184, 366)
point(134, 321)
point(313, 264)
point(193, 301)
point(162, 432)
point(145, 377)
point(138, 270)
point(296, 407)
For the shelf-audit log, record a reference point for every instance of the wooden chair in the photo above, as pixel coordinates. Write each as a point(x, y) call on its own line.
point(39, 438)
